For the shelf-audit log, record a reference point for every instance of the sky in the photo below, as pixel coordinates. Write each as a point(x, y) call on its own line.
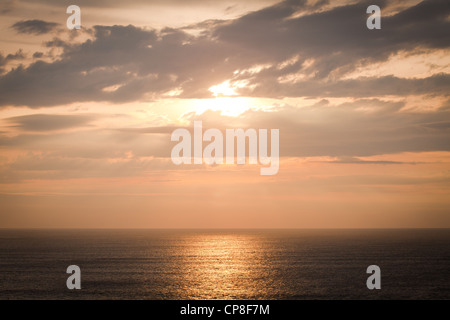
point(86, 115)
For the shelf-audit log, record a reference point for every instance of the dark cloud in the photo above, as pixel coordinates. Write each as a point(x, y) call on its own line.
point(126, 63)
point(437, 84)
point(336, 40)
point(38, 55)
point(19, 55)
point(36, 27)
point(139, 3)
point(50, 122)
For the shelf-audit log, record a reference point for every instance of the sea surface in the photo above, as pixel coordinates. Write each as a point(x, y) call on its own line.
point(225, 264)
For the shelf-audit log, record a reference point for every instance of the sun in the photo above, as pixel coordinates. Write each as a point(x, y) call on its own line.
point(226, 100)
point(227, 106)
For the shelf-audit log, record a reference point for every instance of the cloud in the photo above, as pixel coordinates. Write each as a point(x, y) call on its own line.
point(38, 55)
point(160, 130)
point(126, 63)
point(139, 3)
point(6, 6)
point(50, 122)
point(19, 55)
point(365, 127)
point(35, 26)
point(437, 84)
point(353, 160)
point(91, 143)
point(49, 166)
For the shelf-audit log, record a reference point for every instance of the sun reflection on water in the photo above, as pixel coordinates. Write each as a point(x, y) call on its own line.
point(223, 266)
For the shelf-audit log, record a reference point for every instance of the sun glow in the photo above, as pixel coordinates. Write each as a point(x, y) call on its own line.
point(227, 106)
point(223, 89)
point(227, 100)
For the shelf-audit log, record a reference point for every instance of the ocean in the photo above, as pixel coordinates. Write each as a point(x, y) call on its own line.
point(225, 264)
